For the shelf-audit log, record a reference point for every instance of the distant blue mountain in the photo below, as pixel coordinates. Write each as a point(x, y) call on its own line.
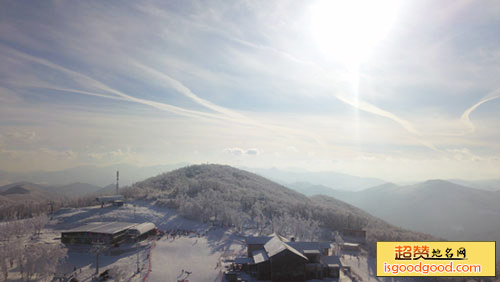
point(94, 175)
point(334, 180)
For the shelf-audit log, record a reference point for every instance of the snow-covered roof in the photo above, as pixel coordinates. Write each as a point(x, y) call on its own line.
point(142, 228)
point(261, 240)
point(259, 256)
point(351, 244)
point(276, 246)
point(103, 227)
point(283, 239)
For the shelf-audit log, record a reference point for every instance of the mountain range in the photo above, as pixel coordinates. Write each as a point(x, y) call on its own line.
point(437, 207)
point(20, 192)
point(331, 179)
point(94, 175)
point(240, 198)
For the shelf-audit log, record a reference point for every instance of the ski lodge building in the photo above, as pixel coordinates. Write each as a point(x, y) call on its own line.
point(114, 200)
point(276, 258)
point(108, 233)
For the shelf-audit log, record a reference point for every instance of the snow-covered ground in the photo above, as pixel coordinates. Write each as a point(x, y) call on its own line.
point(197, 255)
point(361, 266)
point(193, 258)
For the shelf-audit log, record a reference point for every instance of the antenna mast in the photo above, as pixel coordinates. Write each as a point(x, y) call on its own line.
point(117, 179)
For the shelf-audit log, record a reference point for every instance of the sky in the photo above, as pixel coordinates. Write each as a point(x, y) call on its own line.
point(400, 90)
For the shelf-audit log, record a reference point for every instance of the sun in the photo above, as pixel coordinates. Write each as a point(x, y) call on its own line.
point(348, 30)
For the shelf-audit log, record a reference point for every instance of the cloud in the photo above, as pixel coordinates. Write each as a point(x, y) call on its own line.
point(114, 155)
point(264, 83)
point(235, 151)
point(464, 154)
point(253, 152)
point(20, 136)
point(7, 96)
point(36, 159)
point(240, 152)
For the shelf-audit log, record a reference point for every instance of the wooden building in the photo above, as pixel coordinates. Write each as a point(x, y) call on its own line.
point(277, 259)
point(255, 243)
point(142, 231)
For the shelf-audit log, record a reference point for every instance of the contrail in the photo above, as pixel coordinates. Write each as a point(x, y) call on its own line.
point(465, 118)
point(88, 80)
point(495, 94)
point(377, 111)
point(177, 85)
point(232, 115)
point(69, 90)
point(364, 106)
point(222, 113)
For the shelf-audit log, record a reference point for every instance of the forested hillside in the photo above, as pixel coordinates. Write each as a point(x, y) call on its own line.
point(242, 199)
point(25, 200)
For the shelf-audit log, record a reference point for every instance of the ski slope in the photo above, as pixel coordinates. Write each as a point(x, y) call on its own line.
point(196, 255)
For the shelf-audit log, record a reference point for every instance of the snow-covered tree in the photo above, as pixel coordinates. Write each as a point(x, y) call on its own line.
point(117, 273)
point(39, 222)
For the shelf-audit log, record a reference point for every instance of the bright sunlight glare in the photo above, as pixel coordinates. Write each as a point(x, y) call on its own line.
point(348, 30)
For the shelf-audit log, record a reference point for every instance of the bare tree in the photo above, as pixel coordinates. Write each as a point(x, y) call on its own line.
point(20, 257)
point(4, 267)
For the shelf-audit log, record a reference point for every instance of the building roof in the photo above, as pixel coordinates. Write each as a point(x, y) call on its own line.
point(260, 256)
point(257, 240)
point(261, 240)
point(303, 246)
point(103, 227)
point(351, 244)
point(283, 239)
point(142, 228)
point(276, 246)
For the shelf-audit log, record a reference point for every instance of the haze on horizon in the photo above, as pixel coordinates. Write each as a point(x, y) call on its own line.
point(400, 90)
